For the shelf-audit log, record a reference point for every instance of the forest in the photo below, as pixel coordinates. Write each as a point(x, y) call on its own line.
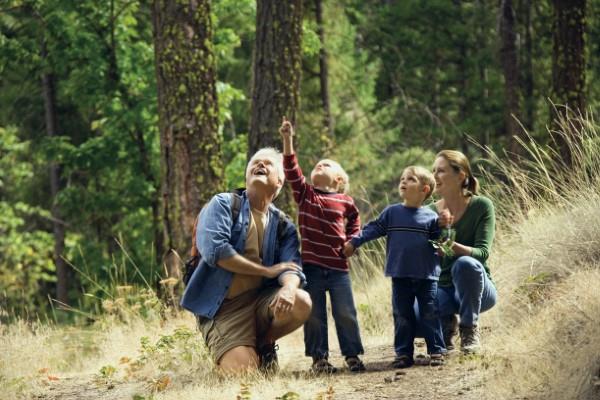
point(119, 119)
point(376, 84)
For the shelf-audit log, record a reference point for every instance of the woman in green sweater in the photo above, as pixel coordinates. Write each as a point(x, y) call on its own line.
point(465, 286)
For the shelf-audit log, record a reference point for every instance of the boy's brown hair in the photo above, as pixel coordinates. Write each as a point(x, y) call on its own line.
point(424, 176)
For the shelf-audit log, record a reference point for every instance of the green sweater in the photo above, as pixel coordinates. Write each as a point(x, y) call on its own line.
point(475, 229)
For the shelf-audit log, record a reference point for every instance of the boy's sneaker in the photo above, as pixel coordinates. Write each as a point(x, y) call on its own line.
point(470, 342)
point(267, 357)
point(436, 359)
point(403, 361)
point(355, 364)
point(449, 329)
point(322, 366)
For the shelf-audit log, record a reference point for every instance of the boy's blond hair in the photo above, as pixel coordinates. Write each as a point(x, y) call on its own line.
point(345, 185)
point(424, 176)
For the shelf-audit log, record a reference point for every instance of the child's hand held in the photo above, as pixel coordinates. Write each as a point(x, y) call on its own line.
point(348, 250)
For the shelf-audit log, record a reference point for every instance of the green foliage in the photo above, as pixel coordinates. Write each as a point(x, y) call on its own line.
point(25, 254)
point(406, 79)
point(180, 349)
point(445, 242)
point(235, 150)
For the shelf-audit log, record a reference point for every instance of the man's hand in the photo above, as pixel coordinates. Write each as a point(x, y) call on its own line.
point(348, 249)
point(275, 270)
point(286, 130)
point(283, 301)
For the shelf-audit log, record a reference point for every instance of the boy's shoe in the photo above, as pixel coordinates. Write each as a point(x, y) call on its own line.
point(402, 361)
point(449, 329)
point(436, 360)
point(322, 366)
point(267, 357)
point(470, 342)
point(355, 364)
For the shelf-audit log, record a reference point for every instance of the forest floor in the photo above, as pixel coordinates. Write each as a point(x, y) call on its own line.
point(457, 379)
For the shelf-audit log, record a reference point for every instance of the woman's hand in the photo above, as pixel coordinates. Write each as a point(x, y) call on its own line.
point(446, 219)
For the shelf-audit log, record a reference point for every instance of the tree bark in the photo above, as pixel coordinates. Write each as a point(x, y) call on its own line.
point(190, 143)
point(568, 66)
point(568, 58)
point(528, 80)
point(510, 68)
point(58, 228)
point(323, 70)
point(276, 75)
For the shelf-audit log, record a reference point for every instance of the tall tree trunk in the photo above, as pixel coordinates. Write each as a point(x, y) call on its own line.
point(323, 70)
point(58, 228)
point(568, 63)
point(276, 75)
point(190, 143)
point(482, 65)
point(462, 81)
point(527, 87)
point(510, 68)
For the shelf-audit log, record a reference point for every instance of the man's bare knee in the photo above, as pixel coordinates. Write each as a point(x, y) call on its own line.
point(302, 306)
point(238, 360)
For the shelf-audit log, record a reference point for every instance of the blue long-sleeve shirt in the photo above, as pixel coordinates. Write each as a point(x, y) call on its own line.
point(218, 237)
point(408, 251)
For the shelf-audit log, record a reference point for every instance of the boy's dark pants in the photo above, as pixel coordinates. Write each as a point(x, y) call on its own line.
point(404, 292)
point(319, 281)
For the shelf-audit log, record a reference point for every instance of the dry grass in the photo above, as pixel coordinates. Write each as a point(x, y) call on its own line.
point(543, 339)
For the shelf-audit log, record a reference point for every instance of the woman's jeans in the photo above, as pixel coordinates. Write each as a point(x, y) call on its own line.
point(471, 294)
point(404, 293)
point(320, 280)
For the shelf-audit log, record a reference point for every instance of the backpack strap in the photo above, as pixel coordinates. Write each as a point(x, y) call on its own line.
point(194, 250)
point(236, 206)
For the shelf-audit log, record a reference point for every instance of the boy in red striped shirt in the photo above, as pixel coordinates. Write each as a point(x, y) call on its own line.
point(328, 219)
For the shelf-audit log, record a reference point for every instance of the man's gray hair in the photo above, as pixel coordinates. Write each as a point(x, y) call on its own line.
point(276, 156)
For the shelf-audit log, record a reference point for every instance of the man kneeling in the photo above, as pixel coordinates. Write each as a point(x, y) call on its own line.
point(245, 291)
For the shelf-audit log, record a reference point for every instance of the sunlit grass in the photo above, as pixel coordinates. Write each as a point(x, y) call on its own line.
point(541, 341)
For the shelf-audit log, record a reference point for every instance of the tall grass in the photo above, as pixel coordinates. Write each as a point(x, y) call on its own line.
point(538, 179)
point(545, 339)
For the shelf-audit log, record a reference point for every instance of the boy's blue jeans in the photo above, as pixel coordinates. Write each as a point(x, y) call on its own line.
point(320, 280)
point(473, 292)
point(404, 293)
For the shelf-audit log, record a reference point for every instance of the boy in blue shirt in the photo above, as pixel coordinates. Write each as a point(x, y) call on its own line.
point(412, 263)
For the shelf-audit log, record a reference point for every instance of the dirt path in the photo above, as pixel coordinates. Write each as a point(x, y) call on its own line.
point(455, 380)
point(458, 379)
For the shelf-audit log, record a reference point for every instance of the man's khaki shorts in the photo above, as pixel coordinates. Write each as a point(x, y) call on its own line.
point(239, 321)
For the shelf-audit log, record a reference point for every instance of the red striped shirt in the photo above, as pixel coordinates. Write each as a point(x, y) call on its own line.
point(327, 220)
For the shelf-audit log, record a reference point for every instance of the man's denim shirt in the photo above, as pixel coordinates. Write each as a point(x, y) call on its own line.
point(218, 238)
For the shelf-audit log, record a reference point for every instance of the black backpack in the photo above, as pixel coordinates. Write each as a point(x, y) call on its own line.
point(236, 204)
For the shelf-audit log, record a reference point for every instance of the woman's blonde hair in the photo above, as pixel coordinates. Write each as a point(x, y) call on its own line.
point(459, 162)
